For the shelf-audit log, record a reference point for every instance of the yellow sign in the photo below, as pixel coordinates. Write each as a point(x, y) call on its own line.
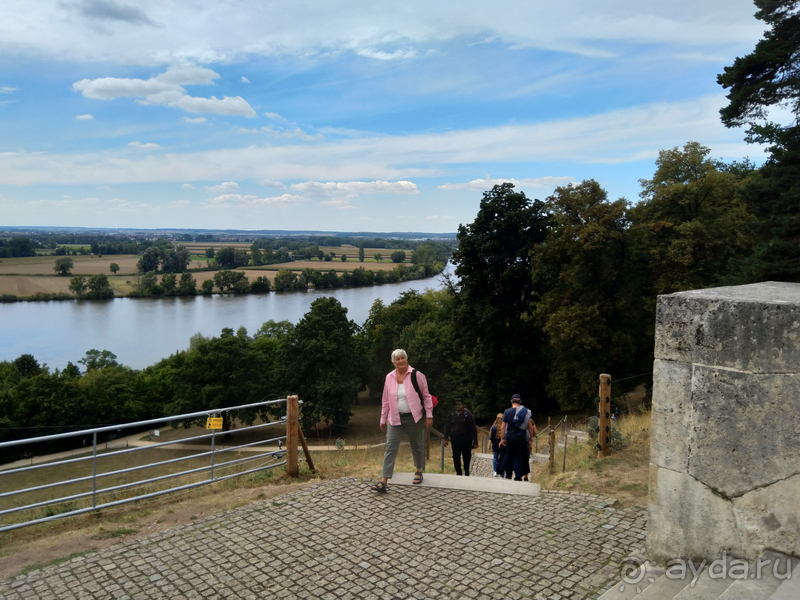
point(214, 423)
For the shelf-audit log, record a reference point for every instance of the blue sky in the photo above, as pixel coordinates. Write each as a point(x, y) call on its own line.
point(347, 115)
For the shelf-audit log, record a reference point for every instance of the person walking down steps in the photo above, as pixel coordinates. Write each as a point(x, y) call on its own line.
point(460, 430)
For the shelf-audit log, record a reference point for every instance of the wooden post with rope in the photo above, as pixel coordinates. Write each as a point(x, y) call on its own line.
point(292, 411)
point(604, 415)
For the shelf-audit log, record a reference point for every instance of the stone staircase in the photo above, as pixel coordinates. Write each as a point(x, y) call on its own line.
point(652, 582)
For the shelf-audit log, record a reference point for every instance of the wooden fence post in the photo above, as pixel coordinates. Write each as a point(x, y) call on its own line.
point(552, 451)
point(292, 410)
point(303, 443)
point(604, 415)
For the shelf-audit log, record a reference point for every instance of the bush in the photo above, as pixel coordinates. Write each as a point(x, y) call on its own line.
point(261, 285)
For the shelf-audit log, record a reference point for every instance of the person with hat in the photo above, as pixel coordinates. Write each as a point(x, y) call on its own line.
point(514, 437)
point(460, 429)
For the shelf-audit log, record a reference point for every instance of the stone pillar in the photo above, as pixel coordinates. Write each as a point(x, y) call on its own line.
point(725, 449)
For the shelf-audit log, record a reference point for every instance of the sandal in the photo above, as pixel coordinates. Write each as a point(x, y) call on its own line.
point(379, 487)
point(417, 477)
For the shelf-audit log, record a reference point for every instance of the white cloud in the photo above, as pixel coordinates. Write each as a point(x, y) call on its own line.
point(282, 133)
point(194, 121)
point(7, 89)
point(340, 203)
point(250, 200)
point(227, 187)
point(187, 186)
point(275, 116)
point(489, 183)
point(435, 217)
point(291, 133)
point(245, 79)
point(356, 187)
point(148, 146)
point(272, 184)
point(205, 30)
point(166, 89)
point(232, 107)
point(612, 137)
point(379, 55)
point(180, 203)
point(84, 118)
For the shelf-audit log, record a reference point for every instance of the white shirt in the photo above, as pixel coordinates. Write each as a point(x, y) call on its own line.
point(402, 401)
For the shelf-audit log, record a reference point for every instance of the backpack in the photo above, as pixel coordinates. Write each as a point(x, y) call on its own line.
point(521, 418)
point(416, 389)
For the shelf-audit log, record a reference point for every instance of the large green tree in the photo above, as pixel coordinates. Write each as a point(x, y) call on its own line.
point(323, 363)
point(691, 225)
point(217, 373)
point(589, 305)
point(495, 297)
point(63, 265)
point(766, 79)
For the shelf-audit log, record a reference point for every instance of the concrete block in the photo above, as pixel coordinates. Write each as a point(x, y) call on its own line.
point(768, 517)
point(750, 327)
point(741, 438)
point(671, 415)
point(686, 519)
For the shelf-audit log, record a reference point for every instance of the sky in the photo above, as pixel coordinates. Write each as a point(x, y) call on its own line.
point(351, 115)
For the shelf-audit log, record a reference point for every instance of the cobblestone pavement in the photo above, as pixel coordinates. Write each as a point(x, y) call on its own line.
point(337, 540)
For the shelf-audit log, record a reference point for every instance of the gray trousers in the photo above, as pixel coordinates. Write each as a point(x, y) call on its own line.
point(416, 436)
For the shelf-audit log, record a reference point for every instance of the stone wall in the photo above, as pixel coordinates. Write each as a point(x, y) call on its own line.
point(725, 450)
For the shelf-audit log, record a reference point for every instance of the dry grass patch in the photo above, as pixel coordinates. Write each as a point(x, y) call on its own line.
point(623, 475)
point(29, 286)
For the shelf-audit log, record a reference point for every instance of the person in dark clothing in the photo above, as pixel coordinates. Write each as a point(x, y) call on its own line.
point(460, 429)
point(515, 438)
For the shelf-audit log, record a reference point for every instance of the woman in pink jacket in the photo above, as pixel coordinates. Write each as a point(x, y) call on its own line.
point(402, 409)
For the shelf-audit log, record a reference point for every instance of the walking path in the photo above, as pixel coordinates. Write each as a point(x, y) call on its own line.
point(339, 541)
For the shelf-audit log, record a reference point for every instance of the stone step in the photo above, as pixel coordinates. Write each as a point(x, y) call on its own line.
point(703, 587)
point(470, 484)
point(663, 588)
point(764, 586)
point(790, 588)
point(677, 584)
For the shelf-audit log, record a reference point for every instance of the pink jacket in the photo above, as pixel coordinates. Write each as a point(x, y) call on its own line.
point(389, 399)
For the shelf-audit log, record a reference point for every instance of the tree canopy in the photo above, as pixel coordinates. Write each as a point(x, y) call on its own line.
point(766, 79)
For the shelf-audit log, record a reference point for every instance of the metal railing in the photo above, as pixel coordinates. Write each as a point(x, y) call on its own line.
point(94, 494)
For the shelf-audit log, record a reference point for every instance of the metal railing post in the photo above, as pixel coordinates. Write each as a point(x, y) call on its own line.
point(213, 450)
point(94, 470)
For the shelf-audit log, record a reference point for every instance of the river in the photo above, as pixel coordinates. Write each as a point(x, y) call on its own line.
point(142, 331)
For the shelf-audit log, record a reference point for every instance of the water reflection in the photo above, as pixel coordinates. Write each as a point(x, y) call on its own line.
point(142, 331)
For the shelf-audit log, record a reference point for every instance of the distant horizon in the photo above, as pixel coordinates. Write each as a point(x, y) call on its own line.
point(374, 234)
